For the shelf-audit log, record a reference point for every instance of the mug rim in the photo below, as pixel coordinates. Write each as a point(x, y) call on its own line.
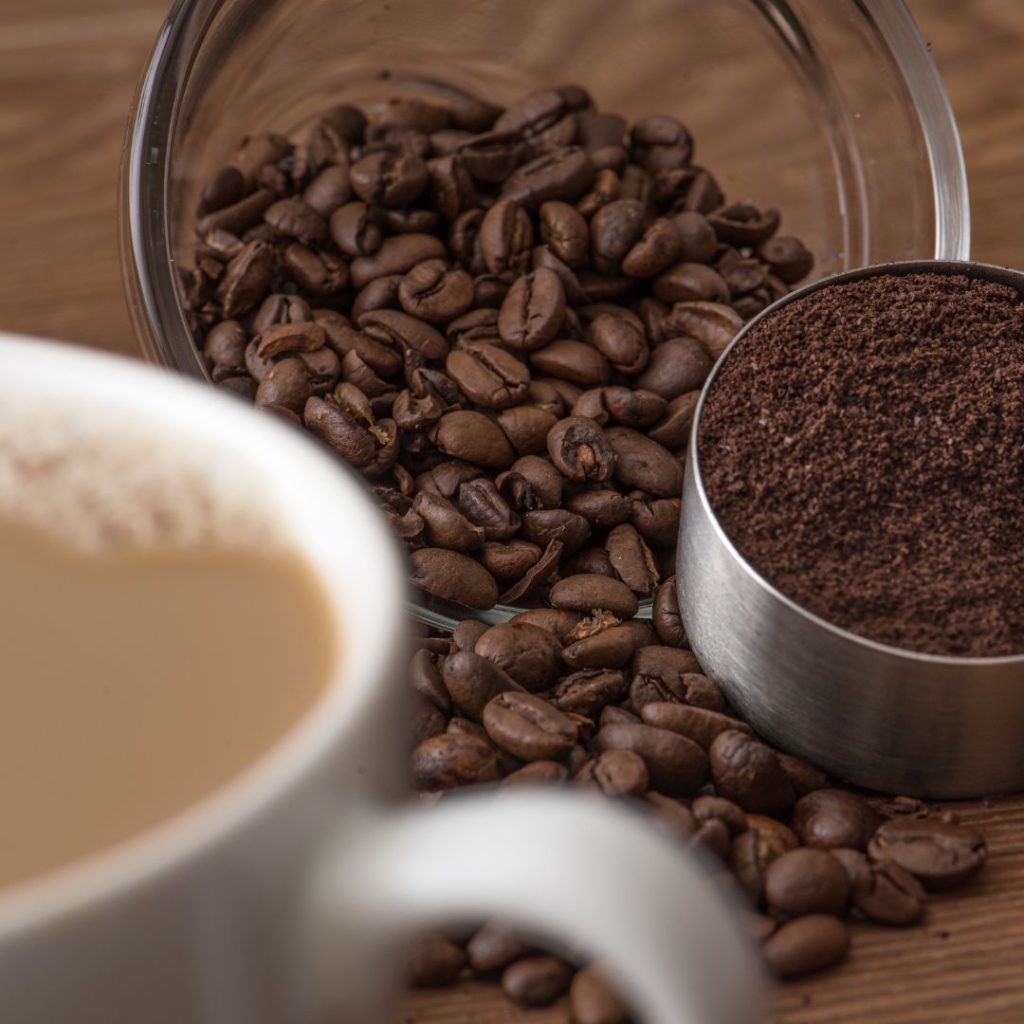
point(366, 605)
point(983, 271)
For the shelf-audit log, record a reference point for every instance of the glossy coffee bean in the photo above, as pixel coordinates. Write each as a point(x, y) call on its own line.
point(938, 854)
point(528, 727)
point(748, 772)
point(829, 818)
point(806, 881)
point(806, 945)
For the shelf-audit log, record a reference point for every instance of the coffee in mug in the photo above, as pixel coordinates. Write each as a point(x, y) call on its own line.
point(157, 637)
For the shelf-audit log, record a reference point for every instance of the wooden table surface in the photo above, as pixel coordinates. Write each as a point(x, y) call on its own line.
point(67, 73)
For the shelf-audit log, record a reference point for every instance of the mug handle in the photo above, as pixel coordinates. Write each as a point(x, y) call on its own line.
point(593, 876)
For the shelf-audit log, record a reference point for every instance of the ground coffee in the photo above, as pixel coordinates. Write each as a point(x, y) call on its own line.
point(863, 448)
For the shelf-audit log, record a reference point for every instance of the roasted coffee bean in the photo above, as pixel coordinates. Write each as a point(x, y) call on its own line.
point(565, 232)
point(537, 574)
point(533, 310)
point(748, 772)
point(698, 724)
point(564, 174)
point(674, 429)
point(452, 760)
point(446, 526)
point(425, 677)
point(488, 375)
point(593, 1000)
point(637, 408)
point(658, 248)
point(528, 654)
point(473, 437)
point(472, 681)
point(453, 577)
point(506, 237)
point(287, 384)
point(606, 188)
point(225, 345)
point(938, 854)
point(806, 881)
point(716, 808)
point(435, 292)
point(802, 775)
point(547, 773)
point(665, 616)
point(396, 255)
point(481, 503)
point(616, 773)
point(517, 491)
point(883, 892)
point(759, 926)
point(588, 691)
point(590, 560)
point(632, 559)
point(528, 727)
point(433, 960)
point(677, 366)
point(603, 509)
point(614, 230)
point(754, 849)
point(246, 279)
point(536, 980)
point(585, 593)
point(391, 327)
point(227, 186)
point(239, 217)
point(713, 324)
point(289, 338)
point(357, 229)
point(543, 526)
point(614, 715)
point(686, 282)
point(546, 483)
point(330, 189)
point(788, 258)
point(494, 946)
point(389, 179)
point(670, 665)
point(697, 238)
point(833, 817)
point(661, 143)
point(644, 464)
point(466, 634)
point(806, 945)
point(426, 720)
point(579, 449)
point(657, 520)
point(527, 427)
point(610, 647)
point(574, 361)
point(678, 767)
point(743, 223)
point(621, 342)
point(558, 621)
point(297, 219)
point(509, 561)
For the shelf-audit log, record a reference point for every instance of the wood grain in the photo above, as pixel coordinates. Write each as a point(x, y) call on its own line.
point(67, 76)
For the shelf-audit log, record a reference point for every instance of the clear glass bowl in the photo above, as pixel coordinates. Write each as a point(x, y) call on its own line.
point(832, 112)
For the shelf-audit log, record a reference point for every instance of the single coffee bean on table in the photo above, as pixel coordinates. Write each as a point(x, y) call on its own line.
point(528, 301)
point(886, 498)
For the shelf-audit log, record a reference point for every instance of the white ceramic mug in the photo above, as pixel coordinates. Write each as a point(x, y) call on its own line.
point(283, 898)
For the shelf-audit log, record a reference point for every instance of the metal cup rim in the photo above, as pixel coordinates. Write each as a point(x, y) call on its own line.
point(970, 268)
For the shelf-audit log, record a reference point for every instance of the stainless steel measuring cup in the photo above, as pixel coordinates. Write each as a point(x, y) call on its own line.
point(869, 713)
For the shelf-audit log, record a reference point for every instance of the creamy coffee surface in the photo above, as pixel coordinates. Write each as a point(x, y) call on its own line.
point(155, 640)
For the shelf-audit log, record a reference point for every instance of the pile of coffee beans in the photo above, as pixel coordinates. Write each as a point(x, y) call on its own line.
point(580, 694)
point(862, 448)
point(501, 318)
